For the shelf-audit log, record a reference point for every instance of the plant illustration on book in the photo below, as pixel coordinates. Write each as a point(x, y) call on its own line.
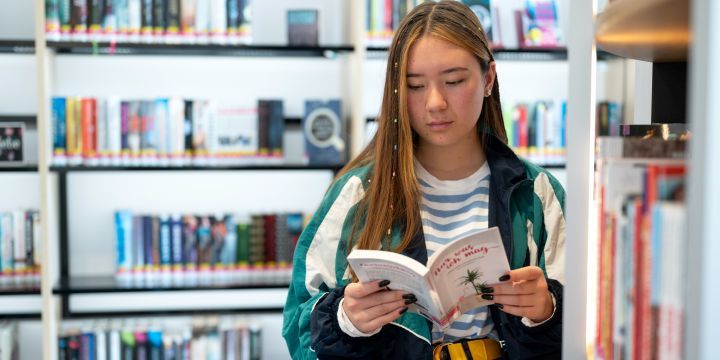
point(471, 279)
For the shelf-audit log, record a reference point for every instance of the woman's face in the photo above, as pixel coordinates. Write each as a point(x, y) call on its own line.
point(446, 88)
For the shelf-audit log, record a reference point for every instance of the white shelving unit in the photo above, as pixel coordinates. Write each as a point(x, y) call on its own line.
point(353, 77)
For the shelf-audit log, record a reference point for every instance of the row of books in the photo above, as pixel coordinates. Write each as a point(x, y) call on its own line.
point(9, 349)
point(19, 248)
point(642, 225)
point(180, 132)
point(188, 250)
point(219, 338)
point(536, 24)
point(536, 131)
point(150, 21)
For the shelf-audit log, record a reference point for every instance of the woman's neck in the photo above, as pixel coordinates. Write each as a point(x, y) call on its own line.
point(451, 162)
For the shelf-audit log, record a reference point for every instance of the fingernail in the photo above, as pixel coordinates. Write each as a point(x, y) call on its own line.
point(409, 297)
point(487, 290)
point(487, 296)
point(403, 310)
point(499, 306)
point(384, 283)
point(410, 301)
point(504, 277)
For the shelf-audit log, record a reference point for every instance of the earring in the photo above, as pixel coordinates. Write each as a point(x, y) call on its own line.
point(488, 92)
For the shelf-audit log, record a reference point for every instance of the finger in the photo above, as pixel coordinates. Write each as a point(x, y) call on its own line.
point(514, 288)
point(387, 318)
point(383, 309)
point(515, 310)
point(379, 298)
point(526, 273)
point(512, 300)
point(358, 290)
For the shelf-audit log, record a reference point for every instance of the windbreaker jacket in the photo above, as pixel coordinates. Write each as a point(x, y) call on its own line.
point(526, 204)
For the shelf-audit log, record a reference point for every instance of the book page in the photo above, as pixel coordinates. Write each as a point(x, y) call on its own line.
point(404, 273)
point(459, 270)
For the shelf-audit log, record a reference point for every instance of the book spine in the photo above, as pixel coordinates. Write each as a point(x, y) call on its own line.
point(20, 264)
point(173, 17)
point(96, 11)
point(165, 242)
point(79, 18)
point(59, 107)
point(148, 22)
point(65, 18)
point(177, 242)
point(135, 19)
point(159, 19)
point(52, 17)
point(188, 10)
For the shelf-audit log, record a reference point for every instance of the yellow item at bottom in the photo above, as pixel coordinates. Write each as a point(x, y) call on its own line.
point(477, 349)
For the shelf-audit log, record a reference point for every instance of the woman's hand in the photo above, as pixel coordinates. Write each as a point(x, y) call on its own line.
point(370, 306)
point(522, 292)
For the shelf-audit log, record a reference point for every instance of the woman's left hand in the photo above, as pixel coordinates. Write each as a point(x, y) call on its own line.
point(525, 293)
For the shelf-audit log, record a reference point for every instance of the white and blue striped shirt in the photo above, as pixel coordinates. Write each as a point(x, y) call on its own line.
point(450, 210)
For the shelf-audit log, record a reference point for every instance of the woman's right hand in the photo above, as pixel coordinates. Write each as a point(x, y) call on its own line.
point(370, 305)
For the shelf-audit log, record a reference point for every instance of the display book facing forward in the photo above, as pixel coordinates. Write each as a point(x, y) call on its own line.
point(451, 282)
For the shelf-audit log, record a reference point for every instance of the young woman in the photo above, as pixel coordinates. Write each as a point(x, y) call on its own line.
point(437, 169)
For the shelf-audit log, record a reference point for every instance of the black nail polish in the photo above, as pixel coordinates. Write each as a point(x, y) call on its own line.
point(504, 277)
point(384, 283)
point(410, 301)
point(499, 306)
point(409, 297)
point(487, 296)
point(403, 310)
point(487, 290)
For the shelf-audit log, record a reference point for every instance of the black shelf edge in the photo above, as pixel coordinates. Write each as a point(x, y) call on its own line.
point(17, 47)
point(21, 316)
point(532, 54)
point(19, 291)
point(528, 54)
point(108, 284)
point(67, 169)
point(122, 314)
point(107, 48)
point(18, 168)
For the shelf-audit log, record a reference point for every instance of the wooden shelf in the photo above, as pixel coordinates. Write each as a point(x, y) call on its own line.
point(649, 30)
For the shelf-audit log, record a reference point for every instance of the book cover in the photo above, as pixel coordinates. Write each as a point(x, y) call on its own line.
point(235, 131)
point(302, 25)
point(12, 136)
point(484, 13)
point(450, 283)
point(324, 131)
point(271, 124)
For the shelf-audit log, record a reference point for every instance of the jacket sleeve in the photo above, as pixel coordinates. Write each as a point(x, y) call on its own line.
point(544, 340)
point(318, 269)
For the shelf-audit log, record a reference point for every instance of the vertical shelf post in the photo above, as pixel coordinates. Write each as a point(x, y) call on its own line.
point(43, 58)
point(702, 294)
point(357, 84)
point(580, 160)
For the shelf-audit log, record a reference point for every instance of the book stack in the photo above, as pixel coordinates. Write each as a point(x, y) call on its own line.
point(227, 337)
point(536, 131)
point(642, 221)
point(150, 21)
point(19, 249)
point(9, 340)
point(165, 132)
point(191, 250)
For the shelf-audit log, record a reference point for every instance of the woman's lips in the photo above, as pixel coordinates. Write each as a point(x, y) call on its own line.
point(439, 125)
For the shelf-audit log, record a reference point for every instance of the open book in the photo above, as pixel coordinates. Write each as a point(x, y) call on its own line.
point(451, 283)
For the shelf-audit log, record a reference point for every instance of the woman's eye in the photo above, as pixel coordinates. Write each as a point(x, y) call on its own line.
point(455, 82)
point(414, 87)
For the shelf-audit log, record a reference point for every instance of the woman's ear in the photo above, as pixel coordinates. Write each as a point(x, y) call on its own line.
point(489, 78)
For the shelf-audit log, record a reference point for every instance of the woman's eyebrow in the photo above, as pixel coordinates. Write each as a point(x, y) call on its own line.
point(446, 71)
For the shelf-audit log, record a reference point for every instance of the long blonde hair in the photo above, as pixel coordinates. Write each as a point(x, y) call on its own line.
point(393, 197)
